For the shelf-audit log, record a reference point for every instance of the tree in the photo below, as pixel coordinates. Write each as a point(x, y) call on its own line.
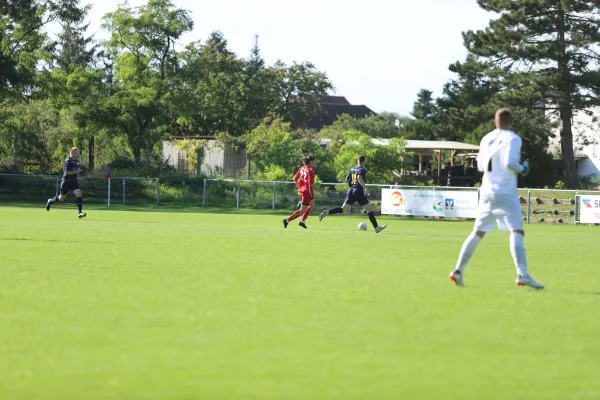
point(77, 88)
point(424, 107)
point(74, 49)
point(24, 126)
point(549, 47)
point(423, 127)
point(273, 148)
point(300, 88)
point(22, 42)
point(214, 91)
point(372, 125)
point(143, 46)
point(261, 95)
point(468, 102)
point(382, 160)
point(394, 117)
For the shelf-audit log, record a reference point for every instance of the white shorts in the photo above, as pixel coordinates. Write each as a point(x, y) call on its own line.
point(502, 209)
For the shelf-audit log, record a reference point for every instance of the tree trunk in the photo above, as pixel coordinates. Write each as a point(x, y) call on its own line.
point(247, 166)
point(137, 150)
point(16, 152)
point(566, 144)
point(91, 151)
point(565, 89)
point(137, 155)
point(148, 147)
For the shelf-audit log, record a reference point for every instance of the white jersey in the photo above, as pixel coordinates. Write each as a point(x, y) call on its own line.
point(499, 159)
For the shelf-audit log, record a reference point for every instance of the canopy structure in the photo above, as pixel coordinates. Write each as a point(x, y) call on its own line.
point(421, 147)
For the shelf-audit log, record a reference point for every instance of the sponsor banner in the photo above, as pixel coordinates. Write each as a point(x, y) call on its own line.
point(589, 209)
point(430, 203)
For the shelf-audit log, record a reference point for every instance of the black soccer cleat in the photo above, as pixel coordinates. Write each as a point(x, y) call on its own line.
point(302, 224)
point(285, 223)
point(48, 204)
point(82, 215)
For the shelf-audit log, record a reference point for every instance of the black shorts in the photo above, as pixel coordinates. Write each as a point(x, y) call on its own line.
point(66, 186)
point(356, 196)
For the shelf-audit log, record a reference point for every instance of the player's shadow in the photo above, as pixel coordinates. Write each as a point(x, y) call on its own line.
point(390, 232)
point(52, 240)
point(586, 292)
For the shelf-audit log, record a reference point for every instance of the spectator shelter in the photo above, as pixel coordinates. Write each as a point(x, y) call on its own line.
point(427, 149)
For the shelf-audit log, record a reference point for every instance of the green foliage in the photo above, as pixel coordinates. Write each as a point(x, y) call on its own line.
point(23, 128)
point(543, 50)
point(121, 98)
point(373, 125)
point(191, 147)
point(299, 88)
point(590, 182)
point(274, 173)
point(381, 161)
point(273, 145)
point(23, 42)
point(143, 46)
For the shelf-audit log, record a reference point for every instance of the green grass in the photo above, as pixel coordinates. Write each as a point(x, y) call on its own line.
point(159, 305)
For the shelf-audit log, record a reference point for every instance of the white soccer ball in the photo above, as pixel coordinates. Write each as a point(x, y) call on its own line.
point(362, 226)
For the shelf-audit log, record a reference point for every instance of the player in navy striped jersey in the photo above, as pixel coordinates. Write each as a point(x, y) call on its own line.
point(357, 193)
point(69, 182)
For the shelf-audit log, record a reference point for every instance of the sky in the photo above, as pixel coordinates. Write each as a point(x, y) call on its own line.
point(379, 53)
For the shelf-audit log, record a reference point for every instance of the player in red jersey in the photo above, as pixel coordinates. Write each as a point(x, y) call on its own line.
point(305, 181)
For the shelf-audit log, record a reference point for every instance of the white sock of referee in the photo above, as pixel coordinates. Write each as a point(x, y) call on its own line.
point(517, 249)
point(467, 250)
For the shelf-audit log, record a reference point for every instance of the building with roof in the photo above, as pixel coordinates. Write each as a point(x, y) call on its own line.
point(334, 106)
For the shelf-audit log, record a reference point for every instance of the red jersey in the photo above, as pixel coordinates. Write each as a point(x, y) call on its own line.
point(304, 178)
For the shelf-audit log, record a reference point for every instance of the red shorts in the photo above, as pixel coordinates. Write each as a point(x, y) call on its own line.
point(305, 198)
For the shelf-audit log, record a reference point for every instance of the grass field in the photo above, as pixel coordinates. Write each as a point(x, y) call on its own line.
point(157, 305)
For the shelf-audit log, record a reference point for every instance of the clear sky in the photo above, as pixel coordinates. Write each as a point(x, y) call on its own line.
point(379, 52)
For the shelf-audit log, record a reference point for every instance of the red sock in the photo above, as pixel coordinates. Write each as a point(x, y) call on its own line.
point(295, 215)
point(306, 213)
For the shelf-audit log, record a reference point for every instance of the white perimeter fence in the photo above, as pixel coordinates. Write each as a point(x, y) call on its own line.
point(539, 205)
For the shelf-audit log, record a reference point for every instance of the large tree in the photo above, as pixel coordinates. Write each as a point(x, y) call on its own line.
point(212, 98)
point(143, 45)
point(300, 89)
point(549, 47)
point(423, 126)
point(76, 87)
point(22, 39)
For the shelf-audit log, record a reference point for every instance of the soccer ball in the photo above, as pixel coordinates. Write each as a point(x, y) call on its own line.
point(362, 226)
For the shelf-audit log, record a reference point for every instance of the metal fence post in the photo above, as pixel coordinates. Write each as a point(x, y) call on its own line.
point(529, 206)
point(204, 193)
point(432, 217)
point(274, 188)
point(157, 191)
point(57, 185)
point(576, 208)
point(108, 192)
point(123, 191)
point(238, 195)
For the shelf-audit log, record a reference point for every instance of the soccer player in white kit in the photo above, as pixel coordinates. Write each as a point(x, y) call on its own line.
point(499, 159)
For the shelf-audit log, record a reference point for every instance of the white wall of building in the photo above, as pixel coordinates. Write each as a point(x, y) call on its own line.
point(586, 142)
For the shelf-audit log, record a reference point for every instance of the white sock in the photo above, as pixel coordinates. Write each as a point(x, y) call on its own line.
point(517, 249)
point(467, 251)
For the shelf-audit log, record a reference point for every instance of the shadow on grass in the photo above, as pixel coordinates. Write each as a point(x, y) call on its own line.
point(571, 292)
point(196, 209)
point(53, 240)
point(179, 208)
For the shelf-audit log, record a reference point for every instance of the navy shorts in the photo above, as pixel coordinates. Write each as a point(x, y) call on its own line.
point(356, 196)
point(66, 186)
